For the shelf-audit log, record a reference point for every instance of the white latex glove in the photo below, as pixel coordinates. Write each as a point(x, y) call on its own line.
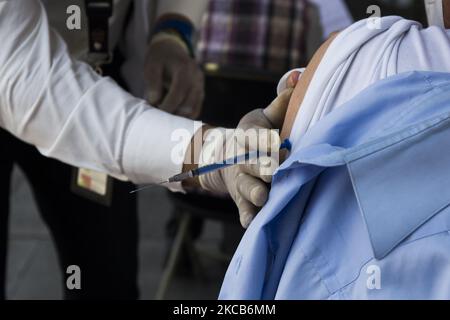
point(174, 79)
point(246, 183)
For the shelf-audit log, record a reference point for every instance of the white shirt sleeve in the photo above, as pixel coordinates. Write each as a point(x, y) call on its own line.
point(70, 113)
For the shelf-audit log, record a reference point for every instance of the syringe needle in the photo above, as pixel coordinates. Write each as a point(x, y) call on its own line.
point(148, 186)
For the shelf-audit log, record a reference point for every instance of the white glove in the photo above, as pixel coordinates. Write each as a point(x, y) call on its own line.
point(175, 81)
point(246, 183)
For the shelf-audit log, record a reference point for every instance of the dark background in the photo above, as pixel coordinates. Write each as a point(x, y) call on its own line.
point(412, 9)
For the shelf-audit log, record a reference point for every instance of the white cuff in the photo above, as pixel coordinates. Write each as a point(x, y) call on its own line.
point(155, 147)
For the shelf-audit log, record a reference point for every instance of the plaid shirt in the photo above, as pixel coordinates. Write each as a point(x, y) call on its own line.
point(265, 35)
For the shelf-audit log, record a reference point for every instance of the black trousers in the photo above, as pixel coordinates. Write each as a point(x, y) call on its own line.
point(101, 240)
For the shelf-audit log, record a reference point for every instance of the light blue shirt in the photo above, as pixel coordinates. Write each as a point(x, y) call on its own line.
point(359, 210)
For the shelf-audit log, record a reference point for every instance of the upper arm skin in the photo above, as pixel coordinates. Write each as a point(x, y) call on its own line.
point(302, 87)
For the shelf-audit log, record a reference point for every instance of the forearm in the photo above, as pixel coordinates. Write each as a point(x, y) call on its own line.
point(71, 114)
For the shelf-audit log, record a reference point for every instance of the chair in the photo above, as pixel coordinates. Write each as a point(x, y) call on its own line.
point(186, 208)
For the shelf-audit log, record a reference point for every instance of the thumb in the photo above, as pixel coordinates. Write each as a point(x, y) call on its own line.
point(276, 111)
point(293, 79)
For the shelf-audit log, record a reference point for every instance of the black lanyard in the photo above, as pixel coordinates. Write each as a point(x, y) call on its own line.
point(98, 13)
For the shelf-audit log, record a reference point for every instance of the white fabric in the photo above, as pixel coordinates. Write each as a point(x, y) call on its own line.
point(435, 13)
point(282, 84)
point(66, 110)
point(334, 15)
point(359, 56)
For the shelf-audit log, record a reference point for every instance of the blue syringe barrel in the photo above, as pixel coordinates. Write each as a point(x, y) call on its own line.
point(233, 161)
point(181, 177)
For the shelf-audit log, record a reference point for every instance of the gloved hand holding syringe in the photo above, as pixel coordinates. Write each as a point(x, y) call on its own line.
point(240, 159)
point(229, 163)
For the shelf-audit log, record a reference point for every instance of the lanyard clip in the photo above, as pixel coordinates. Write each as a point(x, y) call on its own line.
point(98, 13)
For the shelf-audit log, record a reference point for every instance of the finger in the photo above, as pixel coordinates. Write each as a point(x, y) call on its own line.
point(293, 79)
point(263, 169)
point(276, 111)
point(268, 140)
point(252, 189)
point(258, 139)
point(154, 76)
point(247, 211)
point(198, 105)
point(193, 104)
point(254, 120)
point(178, 91)
point(198, 102)
point(185, 109)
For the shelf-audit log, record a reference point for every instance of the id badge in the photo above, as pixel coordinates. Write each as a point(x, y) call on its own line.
point(92, 185)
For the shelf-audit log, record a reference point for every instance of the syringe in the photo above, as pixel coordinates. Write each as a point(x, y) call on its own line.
point(213, 167)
